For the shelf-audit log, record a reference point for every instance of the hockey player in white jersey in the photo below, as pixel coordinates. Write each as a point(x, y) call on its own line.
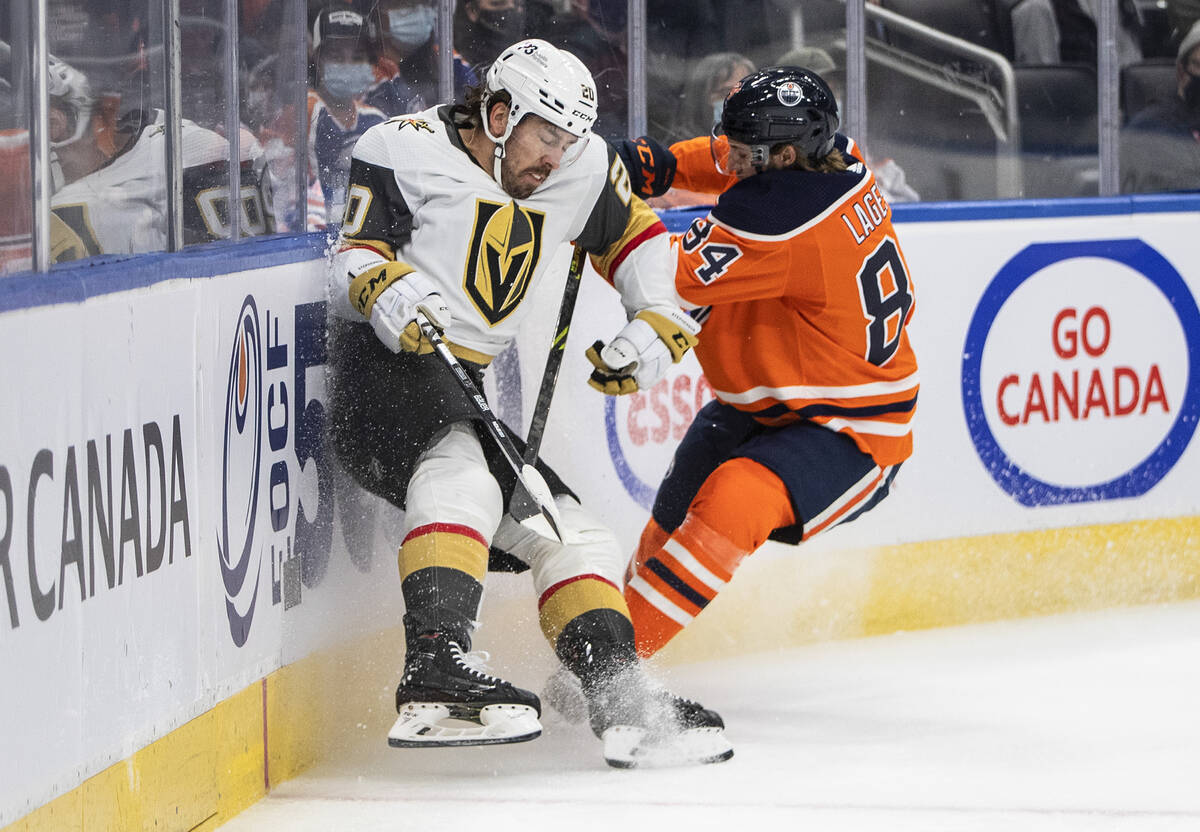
point(111, 188)
point(453, 213)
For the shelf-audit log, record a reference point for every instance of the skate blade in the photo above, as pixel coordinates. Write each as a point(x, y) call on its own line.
point(626, 746)
point(429, 725)
point(564, 694)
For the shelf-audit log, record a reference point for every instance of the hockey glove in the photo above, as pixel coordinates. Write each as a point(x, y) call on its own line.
point(638, 357)
point(651, 166)
point(389, 296)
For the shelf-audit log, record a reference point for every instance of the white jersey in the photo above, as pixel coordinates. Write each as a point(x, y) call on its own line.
point(121, 208)
point(417, 196)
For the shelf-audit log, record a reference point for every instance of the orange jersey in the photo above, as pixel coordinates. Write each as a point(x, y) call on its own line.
point(810, 296)
point(16, 217)
point(694, 168)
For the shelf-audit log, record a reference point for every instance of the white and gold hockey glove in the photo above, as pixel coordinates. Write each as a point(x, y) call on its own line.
point(389, 296)
point(638, 357)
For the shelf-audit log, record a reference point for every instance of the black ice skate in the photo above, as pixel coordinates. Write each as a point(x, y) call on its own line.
point(643, 725)
point(446, 697)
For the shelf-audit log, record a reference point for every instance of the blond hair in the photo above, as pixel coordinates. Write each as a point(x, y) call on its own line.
point(831, 162)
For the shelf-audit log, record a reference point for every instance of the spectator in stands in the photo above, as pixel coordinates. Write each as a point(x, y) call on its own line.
point(111, 176)
point(269, 112)
point(594, 31)
point(888, 174)
point(407, 65)
point(1160, 148)
point(680, 34)
point(342, 63)
point(709, 81)
point(1181, 14)
point(16, 216)
point(202, 69)
point(757, 29)
point(720, 72)
point(484, 28)
point(269, 76)
point(1065, 31)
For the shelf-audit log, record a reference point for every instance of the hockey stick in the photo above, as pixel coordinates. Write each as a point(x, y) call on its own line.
point(532, 504)
point(541, 408)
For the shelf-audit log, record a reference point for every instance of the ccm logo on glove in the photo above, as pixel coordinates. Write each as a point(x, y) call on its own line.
point(389, 295)
point(651, 166)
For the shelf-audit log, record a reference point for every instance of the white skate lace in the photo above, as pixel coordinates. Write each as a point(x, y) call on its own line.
point(475, 662)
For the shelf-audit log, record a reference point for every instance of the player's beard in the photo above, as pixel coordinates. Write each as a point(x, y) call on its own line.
point(516, 185)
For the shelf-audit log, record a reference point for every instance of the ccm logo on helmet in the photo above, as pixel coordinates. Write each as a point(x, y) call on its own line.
point(789, 93)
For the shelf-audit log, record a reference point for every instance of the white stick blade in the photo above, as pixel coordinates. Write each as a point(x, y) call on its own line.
point(546, 526)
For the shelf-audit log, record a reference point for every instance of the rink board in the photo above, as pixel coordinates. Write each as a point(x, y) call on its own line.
point(186, 609)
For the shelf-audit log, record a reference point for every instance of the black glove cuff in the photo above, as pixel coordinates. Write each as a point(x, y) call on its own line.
point(651, 166)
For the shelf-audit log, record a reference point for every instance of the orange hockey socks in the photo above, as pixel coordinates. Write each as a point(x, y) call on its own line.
point(735, 510)
point(652, 539)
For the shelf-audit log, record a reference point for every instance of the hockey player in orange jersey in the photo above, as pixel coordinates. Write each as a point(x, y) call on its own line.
point(799, 278)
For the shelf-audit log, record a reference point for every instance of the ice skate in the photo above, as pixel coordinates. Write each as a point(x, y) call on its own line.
point(645, 726)
point(564, 694)
point(447, 698)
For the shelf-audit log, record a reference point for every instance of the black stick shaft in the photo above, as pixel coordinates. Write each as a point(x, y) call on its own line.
point(524, 503)
point(541, 409)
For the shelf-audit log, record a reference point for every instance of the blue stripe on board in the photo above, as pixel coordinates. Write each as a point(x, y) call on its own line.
point(75, 282)
point(677, 220)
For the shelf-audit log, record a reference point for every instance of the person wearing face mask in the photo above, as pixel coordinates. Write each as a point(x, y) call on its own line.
point(703, 96)
point(337, 114)
point(1160, 147)
point(406, 68)
point(702, 106)
point(1067, 31)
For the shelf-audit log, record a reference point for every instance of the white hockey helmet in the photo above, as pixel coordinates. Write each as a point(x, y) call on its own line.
point(69, 89)
point(550, 82)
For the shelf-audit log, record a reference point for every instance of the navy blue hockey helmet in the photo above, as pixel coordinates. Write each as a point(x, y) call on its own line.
point(782, 104)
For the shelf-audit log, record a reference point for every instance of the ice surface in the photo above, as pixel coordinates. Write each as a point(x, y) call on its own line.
point(1076, 722)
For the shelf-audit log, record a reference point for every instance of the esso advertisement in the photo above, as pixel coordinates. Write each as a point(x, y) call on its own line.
point(644, 428)
point(1079, 372)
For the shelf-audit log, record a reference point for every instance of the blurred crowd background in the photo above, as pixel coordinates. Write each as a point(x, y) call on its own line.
point(963, 99)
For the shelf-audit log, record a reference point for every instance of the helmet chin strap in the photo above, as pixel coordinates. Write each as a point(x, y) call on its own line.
point(499, 141)
point(496, 160)
point(57, 180)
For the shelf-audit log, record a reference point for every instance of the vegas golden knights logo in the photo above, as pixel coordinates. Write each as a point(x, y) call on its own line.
point(505, 246)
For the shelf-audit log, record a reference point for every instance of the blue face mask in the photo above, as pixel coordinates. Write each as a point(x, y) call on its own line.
point(718, 109)
point(411, 27)
point(344, 81)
